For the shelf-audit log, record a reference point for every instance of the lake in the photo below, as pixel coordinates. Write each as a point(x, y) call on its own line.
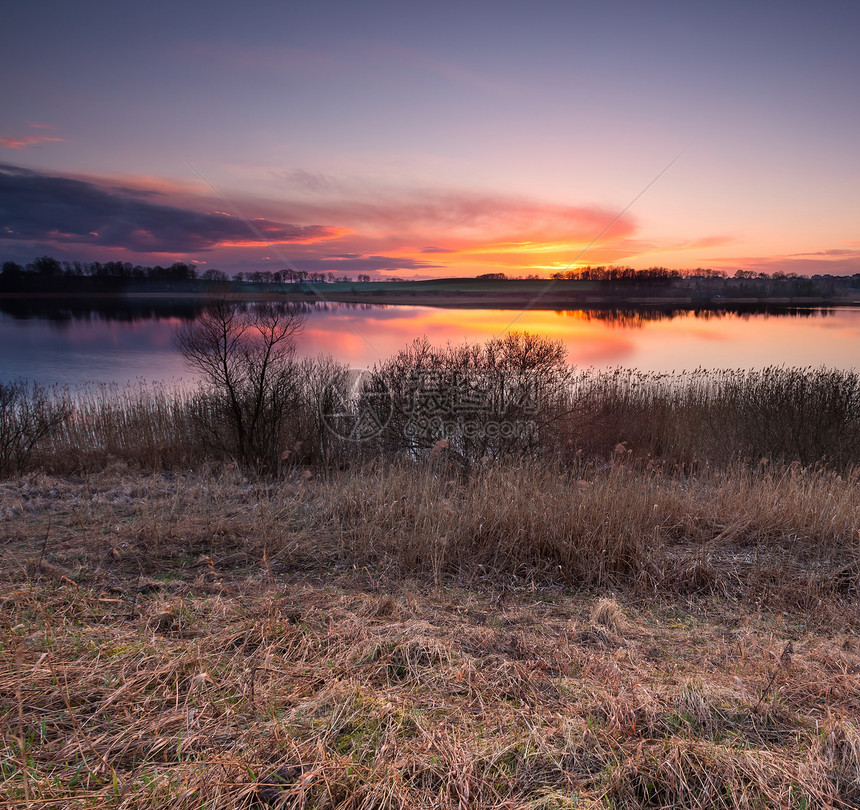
point(116, 343)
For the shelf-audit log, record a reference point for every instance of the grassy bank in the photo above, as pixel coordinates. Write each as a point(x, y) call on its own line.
point(391, 637)
point(649, 602)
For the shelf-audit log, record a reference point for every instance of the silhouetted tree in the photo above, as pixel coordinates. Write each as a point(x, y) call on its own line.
point(247, 360)
point(47, 267)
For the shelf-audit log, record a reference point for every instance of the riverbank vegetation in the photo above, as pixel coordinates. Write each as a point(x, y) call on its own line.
point(468, 407)
point(524, 586)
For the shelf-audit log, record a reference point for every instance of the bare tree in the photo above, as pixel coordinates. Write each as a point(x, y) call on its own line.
point(247, 360)
point(29, 414)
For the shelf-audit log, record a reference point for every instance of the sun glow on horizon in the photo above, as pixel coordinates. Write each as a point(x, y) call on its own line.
point(428, 151)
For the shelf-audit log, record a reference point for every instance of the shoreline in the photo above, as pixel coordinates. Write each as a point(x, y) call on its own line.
point(446, 299)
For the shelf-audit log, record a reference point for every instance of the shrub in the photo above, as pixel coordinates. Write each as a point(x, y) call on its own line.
point(250, 378)
point(28, 414)
point(478, 402)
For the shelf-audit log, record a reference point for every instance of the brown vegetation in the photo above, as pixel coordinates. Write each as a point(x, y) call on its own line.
point(647, 605)
point(398, 639)
point(686, 421)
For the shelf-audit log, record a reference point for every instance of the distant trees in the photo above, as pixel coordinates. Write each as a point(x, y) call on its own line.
point(290, 276)
point(11, 270)
point(620, 274)
point(46, 274)
point(47, 267)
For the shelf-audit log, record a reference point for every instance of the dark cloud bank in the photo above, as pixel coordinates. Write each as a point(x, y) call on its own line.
point(38, 207)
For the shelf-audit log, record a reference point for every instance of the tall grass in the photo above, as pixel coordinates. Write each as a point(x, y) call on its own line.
point(810, 415)
point(689, 420)
point(772, 529)
point(148, 426)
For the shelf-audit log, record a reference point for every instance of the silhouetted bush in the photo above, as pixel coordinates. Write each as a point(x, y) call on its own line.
point(29, 414)
point(475, 402)
point(246, 357)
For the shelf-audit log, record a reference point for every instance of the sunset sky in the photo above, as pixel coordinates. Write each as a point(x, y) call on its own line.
point(435, 139)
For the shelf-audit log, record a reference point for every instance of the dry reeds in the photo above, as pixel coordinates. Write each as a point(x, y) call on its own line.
point(411, 630)
point(773, 530)
point(523, 413)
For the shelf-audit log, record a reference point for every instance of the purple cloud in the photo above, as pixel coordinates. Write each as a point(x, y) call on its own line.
point(39, 207)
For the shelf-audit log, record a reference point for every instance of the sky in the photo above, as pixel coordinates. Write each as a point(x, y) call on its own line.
point(433, 139)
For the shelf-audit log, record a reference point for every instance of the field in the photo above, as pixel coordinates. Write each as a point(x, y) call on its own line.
point(209, 640)
point(641, 609)
point(568, 294)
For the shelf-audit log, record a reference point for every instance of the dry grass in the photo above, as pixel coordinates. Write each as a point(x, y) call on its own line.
point(809, 415)
point(791, 532)
point(396, 639)
point(607, 613)
point(626, 613)
point(689, 420)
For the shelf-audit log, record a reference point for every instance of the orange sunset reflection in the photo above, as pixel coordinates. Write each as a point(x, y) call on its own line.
point(361, 336)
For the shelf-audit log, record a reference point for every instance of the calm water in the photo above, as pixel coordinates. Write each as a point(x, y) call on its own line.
point(121, 345)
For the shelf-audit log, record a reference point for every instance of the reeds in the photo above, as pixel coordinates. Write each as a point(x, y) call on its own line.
point(788, 532)
point(689, 420)
point(148, 426)
point(810, 415)
point(782, 535)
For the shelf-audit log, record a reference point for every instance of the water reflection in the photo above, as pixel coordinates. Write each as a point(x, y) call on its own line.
point(632, 318)
point(116, 341)
point(653, 339)
point(130, 310)
point(98, 309)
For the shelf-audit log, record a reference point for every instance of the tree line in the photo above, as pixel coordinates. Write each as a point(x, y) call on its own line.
point(47, 274)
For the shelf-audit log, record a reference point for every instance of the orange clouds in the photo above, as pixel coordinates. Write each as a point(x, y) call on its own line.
point(466, 232)
point(275, 235)
point(325, 224)
point(26, 140)
point(462, 215)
